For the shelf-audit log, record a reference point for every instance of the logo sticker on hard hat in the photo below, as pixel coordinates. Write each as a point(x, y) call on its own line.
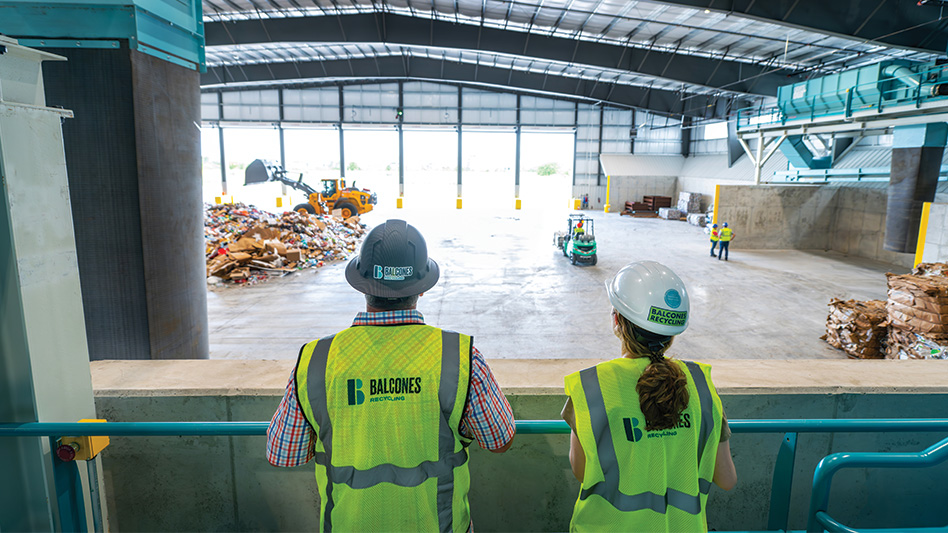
point(667, 317)
point(672, 298)
point(393, 273)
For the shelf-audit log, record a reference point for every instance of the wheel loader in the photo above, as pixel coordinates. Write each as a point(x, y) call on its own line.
point(335, 195)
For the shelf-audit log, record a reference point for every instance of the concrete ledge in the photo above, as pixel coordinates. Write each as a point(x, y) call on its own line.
point(226, 484)
point(528, 376)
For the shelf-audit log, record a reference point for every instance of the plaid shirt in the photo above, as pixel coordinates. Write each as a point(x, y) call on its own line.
point(487, 418)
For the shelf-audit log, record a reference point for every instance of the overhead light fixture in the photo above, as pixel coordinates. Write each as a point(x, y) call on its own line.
point(707, 10)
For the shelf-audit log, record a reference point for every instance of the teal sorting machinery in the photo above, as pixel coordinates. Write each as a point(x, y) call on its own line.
point(874, 86)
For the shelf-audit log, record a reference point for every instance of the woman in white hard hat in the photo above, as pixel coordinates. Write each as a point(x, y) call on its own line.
point(649, 434)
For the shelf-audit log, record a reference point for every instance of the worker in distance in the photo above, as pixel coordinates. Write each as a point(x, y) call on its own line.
point(389, 406)
point(649, 434)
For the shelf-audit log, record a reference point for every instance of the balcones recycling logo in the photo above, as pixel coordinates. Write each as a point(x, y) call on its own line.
point(389, 273)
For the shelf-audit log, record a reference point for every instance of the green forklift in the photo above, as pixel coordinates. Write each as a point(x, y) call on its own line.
point(579, 241)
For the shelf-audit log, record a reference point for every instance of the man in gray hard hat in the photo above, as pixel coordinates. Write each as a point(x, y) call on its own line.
point(389, 405)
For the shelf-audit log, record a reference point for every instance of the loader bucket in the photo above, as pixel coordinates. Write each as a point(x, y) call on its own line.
point(257, 172)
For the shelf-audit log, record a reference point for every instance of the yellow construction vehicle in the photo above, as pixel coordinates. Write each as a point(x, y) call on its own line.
point(335, 195)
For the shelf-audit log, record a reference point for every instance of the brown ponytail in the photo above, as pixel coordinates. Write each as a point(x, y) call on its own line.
point(663, 387)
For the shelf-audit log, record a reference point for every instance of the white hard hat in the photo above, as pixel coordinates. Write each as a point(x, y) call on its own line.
point(651, 296)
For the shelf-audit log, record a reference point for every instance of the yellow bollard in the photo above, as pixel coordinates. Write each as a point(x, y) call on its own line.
point(517, 206)
point(605, 208)
point(922, 232)
point(398, 203)
point(459, 202)
point(279, 201)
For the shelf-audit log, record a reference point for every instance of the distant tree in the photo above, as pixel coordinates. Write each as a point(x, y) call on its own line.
point(548, 169)
point(353, 166)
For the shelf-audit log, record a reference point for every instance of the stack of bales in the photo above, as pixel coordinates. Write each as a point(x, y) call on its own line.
point(918, 313)
point(858, 328)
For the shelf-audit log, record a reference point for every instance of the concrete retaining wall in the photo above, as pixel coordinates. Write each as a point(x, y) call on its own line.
point(225, 483)
point(846, 219)
point(936, 236)
point(773, 217)
point(633, 188)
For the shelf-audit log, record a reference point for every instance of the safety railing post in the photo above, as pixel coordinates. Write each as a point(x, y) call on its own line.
point(69, 496)
point(782, 483)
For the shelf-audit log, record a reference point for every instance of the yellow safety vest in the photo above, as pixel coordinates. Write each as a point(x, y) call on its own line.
point(639, 480)
point(726, 234)
point(386, 403)
point(714, 235)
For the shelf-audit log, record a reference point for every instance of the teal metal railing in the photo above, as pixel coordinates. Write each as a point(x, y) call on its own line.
point(781, 484)
point(829, 465)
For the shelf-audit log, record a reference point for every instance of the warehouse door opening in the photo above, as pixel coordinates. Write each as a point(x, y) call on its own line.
point(371, 160)
point(312, 153)
point(546, 170)
point(488, 174)
point(431, 168)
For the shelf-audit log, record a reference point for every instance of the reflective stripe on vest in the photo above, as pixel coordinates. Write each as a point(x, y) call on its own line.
point(442, 469)
point(609, 462)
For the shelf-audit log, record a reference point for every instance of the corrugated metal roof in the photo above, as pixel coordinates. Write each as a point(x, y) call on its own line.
point(650, 25)
point(250, 54)
point(638, 24)
point(641, 165)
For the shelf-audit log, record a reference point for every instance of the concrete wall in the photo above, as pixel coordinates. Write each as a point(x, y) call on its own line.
point(775, 217)
point(859, 225)
point(936, 236)
point(225, 483)
point(846, 219)
point(633, 188)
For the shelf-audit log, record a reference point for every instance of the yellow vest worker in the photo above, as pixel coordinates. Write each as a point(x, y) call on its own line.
point(646, 429)
point(639, 480)
point(726, 234)
point(404, 408)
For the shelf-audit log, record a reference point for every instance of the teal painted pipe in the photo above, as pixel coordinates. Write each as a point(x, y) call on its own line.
point(829, 465)
point(838, 425)
point(524, 427)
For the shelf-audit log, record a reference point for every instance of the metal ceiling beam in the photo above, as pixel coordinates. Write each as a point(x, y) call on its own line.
point(405, 30)
point(892, 23)
point(392, 68)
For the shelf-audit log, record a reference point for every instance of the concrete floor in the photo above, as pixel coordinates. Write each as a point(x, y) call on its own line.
point(505, 283)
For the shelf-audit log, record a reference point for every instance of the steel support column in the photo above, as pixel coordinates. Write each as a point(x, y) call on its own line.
point(632, 137)
point(575, 139)
point(517, 160)
point(220, 138)
point(602, 114)
point(282, 141)
point(401, 143)
point(342, 141)
point(460, 164)
point(686, 123)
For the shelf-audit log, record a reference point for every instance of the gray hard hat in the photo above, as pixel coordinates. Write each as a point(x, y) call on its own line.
point(393, 262)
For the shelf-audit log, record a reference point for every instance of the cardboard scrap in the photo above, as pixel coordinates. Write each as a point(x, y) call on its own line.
point(918, 313)
point(917, 303)
point(858, 328)
point(907, 345)
point(247, 245)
